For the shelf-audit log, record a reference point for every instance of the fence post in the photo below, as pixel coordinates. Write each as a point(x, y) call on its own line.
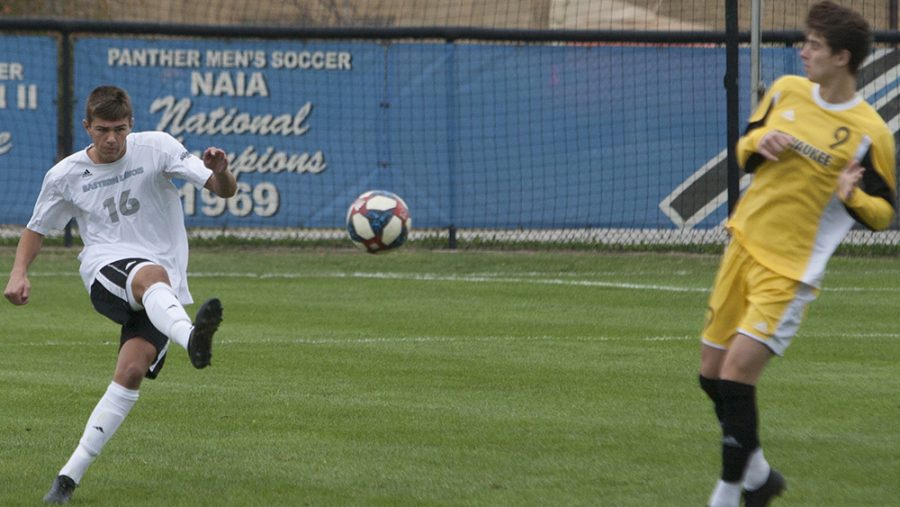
point(452, 137)
point(65, 103)
point(733, 110)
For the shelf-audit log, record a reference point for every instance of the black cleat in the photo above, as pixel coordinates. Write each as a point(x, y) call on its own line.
point(774, 486)
point(205, 324)
point(61, 490)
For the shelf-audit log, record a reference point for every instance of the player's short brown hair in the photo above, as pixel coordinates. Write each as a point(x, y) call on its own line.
point(842, 28)
point(108, 103)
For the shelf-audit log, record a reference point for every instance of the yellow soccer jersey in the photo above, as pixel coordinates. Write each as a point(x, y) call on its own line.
point(790, 218)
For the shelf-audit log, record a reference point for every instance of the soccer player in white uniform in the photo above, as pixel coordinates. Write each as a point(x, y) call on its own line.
point(822, 158)
point(134, 261)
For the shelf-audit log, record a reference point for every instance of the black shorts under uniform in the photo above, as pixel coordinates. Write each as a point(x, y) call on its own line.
point(109, 297)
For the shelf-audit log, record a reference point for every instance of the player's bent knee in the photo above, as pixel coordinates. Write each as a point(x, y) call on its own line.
point(130, 374)
point(150, 274)
point(745, 367)
point(145, 277)
point(135, 358)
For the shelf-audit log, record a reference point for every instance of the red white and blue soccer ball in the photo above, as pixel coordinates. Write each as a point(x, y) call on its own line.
point(378, 220)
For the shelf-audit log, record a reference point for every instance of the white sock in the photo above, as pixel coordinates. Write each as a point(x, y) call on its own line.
point(757, 470)
point(726, 494)
point(101, 425)
point(167, 314)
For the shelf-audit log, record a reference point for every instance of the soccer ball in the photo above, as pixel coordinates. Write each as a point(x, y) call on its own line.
point(378, 220)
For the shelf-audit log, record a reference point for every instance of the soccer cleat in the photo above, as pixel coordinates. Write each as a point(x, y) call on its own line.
point(205, 324)
point(61, 490)
point(774, 486)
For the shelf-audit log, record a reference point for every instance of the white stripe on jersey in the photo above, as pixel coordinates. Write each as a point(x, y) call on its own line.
point(834, 224)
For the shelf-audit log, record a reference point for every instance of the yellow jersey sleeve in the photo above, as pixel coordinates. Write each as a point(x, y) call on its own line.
point(873, 203)
point(747, 157)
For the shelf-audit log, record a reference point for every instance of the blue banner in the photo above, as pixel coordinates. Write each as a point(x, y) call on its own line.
point(298, 121)
point(470, 135)
point(28, 121)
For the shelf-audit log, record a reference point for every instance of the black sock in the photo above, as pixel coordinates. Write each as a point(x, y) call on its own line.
point(711, 388)
point(740, 431)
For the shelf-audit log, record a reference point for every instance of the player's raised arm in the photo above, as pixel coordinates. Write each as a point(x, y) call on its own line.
point(18, 288)
point(222, 182)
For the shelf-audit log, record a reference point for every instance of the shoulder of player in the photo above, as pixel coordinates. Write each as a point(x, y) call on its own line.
point(151, 139)
point(157, 142)
point(792, 83)
point(882, 134)
point(76, 162)
point(865, 108)
point(790, 86)
point(869, 120)
point(159, 146)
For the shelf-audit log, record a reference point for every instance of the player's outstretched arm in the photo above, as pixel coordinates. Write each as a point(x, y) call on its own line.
point(222, 182)
point(18, 288)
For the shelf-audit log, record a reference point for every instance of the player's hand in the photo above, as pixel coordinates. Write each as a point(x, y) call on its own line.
point(849, 178)
point(773, 143)
point(214, 159)
point(17, 290)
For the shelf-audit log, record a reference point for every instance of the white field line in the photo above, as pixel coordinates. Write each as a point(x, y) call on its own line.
point(483, 278)
point(469, 339)
point(377, 340)
point(389, 340)
point(529, 278)
point(452, 339)
point(538, 281)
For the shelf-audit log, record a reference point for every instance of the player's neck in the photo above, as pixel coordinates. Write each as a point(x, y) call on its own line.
point(92, 154)
point(839, 89)
point(95, 156)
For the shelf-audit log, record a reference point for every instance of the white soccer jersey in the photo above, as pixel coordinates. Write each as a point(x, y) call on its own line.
point(129, 208)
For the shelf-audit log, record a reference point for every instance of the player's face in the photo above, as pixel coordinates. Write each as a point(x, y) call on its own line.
point(819, 62)
point(108, 138)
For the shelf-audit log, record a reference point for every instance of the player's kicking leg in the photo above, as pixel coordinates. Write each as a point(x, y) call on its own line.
point(151, 289)
point(207, 321)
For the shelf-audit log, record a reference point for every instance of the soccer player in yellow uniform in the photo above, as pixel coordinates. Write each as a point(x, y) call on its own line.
point(822, 159)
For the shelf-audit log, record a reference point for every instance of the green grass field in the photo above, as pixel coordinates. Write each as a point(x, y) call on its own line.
point(448, 378)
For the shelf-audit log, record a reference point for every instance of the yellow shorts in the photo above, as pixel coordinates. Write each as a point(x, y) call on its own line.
point(752, 300)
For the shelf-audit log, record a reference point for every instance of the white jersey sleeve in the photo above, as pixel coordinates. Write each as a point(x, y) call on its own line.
point(182, 163)
point(52, 210)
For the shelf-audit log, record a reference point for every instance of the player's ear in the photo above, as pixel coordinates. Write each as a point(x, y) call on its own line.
point(86, 125)
point(843, 57)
